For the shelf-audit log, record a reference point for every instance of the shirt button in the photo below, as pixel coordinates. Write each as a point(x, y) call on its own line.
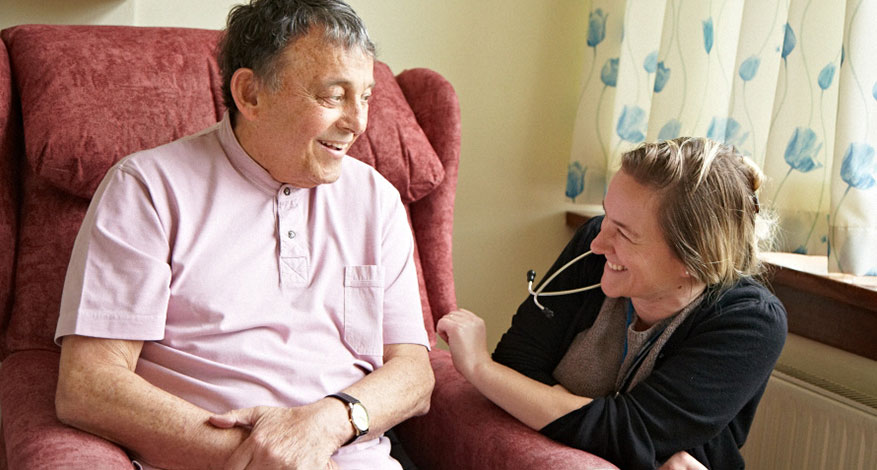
point(286, 191)
point(290, 234)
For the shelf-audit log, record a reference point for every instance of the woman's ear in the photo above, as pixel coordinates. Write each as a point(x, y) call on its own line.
point(245, 91)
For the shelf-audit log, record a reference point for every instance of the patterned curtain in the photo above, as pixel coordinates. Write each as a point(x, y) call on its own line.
point(792, 83)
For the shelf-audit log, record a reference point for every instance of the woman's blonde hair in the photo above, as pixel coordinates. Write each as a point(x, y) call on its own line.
point(708, 208)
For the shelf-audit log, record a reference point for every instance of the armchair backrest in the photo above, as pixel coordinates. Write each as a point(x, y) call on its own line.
point(9, 149)
point(438, 112)
point(90, 95)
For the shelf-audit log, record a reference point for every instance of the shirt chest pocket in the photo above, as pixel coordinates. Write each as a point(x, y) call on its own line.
point(364, 309)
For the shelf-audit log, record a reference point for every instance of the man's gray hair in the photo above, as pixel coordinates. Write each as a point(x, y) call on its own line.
point(257, 33)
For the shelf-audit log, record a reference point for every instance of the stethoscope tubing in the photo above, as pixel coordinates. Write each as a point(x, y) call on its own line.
point(531, 275)
point(641, 355)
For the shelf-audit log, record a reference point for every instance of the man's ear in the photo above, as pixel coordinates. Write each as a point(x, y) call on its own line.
point(245, 91)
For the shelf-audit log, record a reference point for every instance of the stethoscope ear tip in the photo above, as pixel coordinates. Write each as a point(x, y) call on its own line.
point(531, 275)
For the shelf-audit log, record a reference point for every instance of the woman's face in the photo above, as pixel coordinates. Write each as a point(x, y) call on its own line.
point(640, 264)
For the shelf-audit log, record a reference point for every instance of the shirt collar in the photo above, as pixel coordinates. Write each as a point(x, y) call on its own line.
point(242, 161)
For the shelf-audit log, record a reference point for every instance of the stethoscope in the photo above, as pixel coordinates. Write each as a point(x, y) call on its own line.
point(531, 275)
point(643, 352)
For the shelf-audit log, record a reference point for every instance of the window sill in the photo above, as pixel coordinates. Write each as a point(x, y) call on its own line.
point(835, 309)
point(817, 266)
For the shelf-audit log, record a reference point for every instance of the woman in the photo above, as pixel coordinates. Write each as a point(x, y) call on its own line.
point(664, 365)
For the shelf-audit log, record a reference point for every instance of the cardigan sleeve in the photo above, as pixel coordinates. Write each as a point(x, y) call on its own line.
point(535, 342)
point(701, 395)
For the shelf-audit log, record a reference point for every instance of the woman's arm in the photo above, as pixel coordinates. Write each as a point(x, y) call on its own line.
point(701, 395)
point(682, 461)
point(533, 403)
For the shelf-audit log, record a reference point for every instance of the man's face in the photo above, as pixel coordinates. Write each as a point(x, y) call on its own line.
point(301, 131)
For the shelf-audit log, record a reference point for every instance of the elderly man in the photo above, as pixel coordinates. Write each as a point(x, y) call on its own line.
point(246, 297)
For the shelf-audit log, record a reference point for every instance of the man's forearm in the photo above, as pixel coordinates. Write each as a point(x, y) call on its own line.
point(104, 397)
point(306, 436)
point(398, 390)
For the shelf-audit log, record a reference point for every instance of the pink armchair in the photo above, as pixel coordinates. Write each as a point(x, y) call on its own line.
point(75, 99)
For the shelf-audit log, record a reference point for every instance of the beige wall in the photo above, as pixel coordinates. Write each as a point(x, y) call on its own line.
point(515, 65)
point(187, 13)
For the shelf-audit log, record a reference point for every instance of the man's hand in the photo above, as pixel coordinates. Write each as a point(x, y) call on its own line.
point(99, 392)
point(306, 437)
point(682, 461)
point(289, 438)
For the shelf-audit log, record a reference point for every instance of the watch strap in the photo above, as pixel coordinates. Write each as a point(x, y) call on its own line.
point(344, 397)
point(350, 401)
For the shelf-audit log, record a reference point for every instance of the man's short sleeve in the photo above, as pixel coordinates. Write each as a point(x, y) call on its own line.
point(403, 311)
point(117, 283)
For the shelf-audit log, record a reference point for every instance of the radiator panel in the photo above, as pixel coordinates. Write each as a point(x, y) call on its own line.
point(802, 426)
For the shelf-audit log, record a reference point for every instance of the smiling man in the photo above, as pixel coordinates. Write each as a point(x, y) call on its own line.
point(246, 297)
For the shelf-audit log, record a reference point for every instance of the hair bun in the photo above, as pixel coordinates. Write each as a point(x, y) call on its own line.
point(753, 173)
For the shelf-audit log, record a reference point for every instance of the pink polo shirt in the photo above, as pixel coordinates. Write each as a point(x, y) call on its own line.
point(246, 291)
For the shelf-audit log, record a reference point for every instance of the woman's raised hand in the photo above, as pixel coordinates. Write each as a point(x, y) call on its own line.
point(466, 337)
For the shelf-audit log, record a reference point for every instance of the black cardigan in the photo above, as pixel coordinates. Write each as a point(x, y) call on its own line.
point(702, 393)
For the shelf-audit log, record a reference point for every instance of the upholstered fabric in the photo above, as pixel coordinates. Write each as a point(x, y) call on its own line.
point(423, 281)
point(9, 138)
point(8, 208)
point(34, 437)
point(483, 436)
point(50, 219)
point(81, 116)
point(89, 95)
point(437, 110)
point(78, 86)
point(79, 120)
point(394, 142)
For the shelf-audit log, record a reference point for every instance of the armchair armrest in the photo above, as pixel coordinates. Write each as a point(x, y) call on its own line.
point(464, 430)
point(33, 435)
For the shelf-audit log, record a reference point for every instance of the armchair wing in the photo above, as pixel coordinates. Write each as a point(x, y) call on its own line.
point(68, 112)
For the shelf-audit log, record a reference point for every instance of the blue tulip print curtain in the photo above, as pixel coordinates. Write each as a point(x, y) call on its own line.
point(791, 83)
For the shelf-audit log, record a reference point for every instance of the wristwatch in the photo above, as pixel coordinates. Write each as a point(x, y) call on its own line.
point(357, 414)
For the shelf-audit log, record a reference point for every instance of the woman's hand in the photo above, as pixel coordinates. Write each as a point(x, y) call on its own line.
point(682, 461)
point(465, 334)
point(534, 403)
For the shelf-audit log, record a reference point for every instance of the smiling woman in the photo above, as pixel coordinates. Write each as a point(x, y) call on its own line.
point(680, 336)
point(640, 264)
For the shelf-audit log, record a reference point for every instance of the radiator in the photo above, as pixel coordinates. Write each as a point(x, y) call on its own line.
point(807, 423)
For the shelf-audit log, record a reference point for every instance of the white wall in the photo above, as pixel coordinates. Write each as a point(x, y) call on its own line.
point(515, 65)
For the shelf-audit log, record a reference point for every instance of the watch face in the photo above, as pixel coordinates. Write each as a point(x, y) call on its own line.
point(359, 417)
